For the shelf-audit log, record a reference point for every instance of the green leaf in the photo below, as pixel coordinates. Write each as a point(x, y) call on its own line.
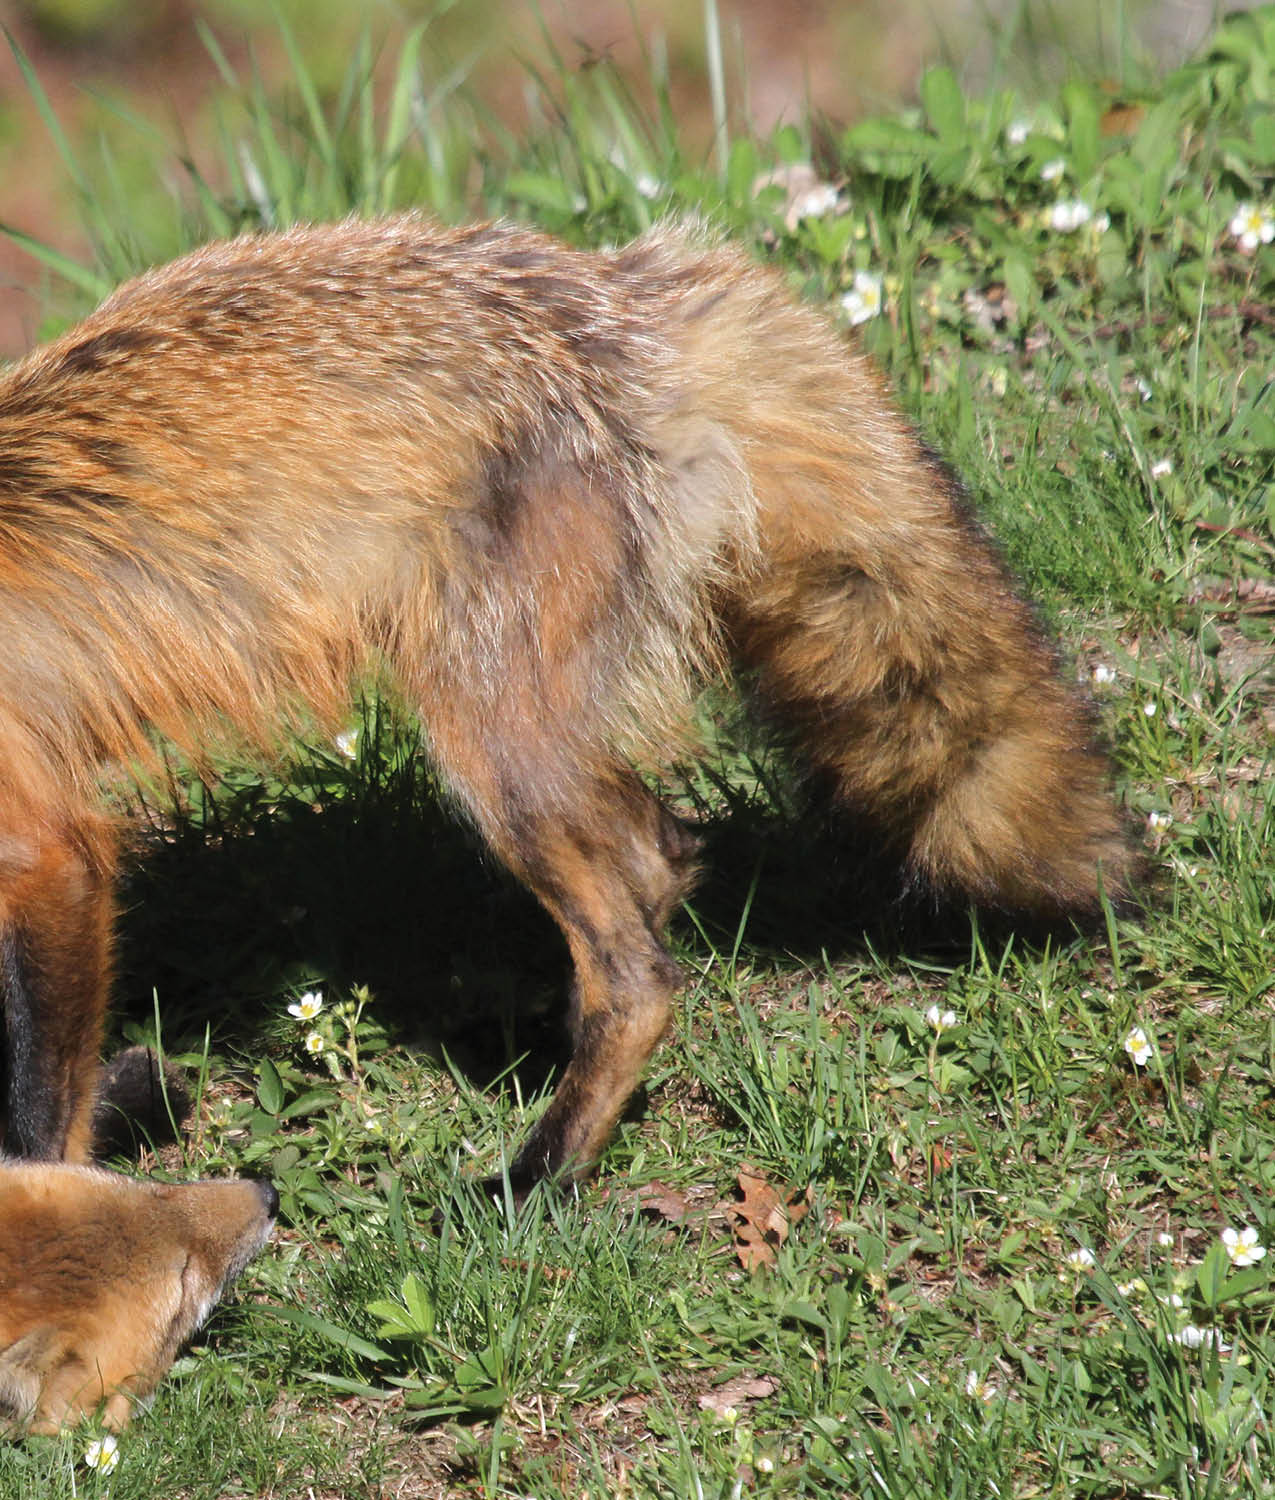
point(332, 1332)
point(1211, 1277)
point(1083, 129)
point(269, 1087)
point(542, 191)
point(1243, 1282)
point(1020, 282)
point(312, 1102)
point(741, 171)
point(944, 105)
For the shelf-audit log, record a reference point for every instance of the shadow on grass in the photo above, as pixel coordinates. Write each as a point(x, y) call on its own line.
point(357, 872)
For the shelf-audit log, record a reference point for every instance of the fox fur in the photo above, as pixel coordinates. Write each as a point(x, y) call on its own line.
point(551, 491)
point(103, 1278)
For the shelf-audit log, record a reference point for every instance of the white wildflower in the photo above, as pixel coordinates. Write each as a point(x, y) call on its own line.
point(1069, 214)
point(865, 299)
point(1191, 1337)
point(815, 202)
point(307, 1007)
point(1053, 170)
point(1242, 1246)
point(103, 1454)
point(1081, 1259)
point(1252, 226)
point(941, 1020)
point(1137, 1045)
point(314, 1043)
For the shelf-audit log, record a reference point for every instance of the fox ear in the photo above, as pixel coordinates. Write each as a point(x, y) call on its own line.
point(24, 1365)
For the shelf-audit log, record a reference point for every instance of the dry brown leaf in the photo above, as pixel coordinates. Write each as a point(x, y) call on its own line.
point(732, 1394)
point(664, 1202)
point(763, 1218)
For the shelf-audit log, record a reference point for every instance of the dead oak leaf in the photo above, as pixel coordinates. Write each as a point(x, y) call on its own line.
point(763, 1217)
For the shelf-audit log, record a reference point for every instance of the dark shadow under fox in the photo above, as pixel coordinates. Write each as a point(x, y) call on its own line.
point(551, 492)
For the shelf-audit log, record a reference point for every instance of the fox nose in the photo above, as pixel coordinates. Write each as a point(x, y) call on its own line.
point(269, 1195)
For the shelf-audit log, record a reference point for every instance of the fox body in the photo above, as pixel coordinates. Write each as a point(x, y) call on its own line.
point(103, 1278)
point(550, 491)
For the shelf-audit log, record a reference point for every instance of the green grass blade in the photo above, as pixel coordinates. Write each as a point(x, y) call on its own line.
point(92, 282)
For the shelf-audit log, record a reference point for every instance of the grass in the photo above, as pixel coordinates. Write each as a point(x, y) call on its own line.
point(898, 1214)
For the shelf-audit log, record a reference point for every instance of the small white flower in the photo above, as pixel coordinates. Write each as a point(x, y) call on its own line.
point(1161, 468)
point(1137, 1046)
point(764, 1464)
point(941, 1020)
point(314, 1043)
point(815, 202)
point(1192, 1337)
point(1252, 226)
point(1081, 1259)
point(1157, 822)
point(1053, 170)
point(1069, 214)
point(648, 186)
point(347, 743)
point(307, 1007)
point(1017, 131)
point(978, 1387)
point(103, 1455)
point(865, 299)
point(1173, 1300)
point(1149, 709)
point(1165, 1240)
point(1103, 675)
point(1242, 1246)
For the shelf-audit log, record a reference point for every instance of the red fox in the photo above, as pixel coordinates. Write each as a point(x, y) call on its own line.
point(103, 1278)
point(551, 491)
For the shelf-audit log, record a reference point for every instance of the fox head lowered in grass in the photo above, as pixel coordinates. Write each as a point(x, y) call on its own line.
point(104, 1277)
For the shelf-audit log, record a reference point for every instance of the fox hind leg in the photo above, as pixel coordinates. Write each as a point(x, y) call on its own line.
point(521, 694)
point(609, 868)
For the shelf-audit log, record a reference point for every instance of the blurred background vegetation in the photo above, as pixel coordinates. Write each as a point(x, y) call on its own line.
point(106, 64)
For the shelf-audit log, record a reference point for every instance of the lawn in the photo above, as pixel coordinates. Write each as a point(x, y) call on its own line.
point(906, 1209)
